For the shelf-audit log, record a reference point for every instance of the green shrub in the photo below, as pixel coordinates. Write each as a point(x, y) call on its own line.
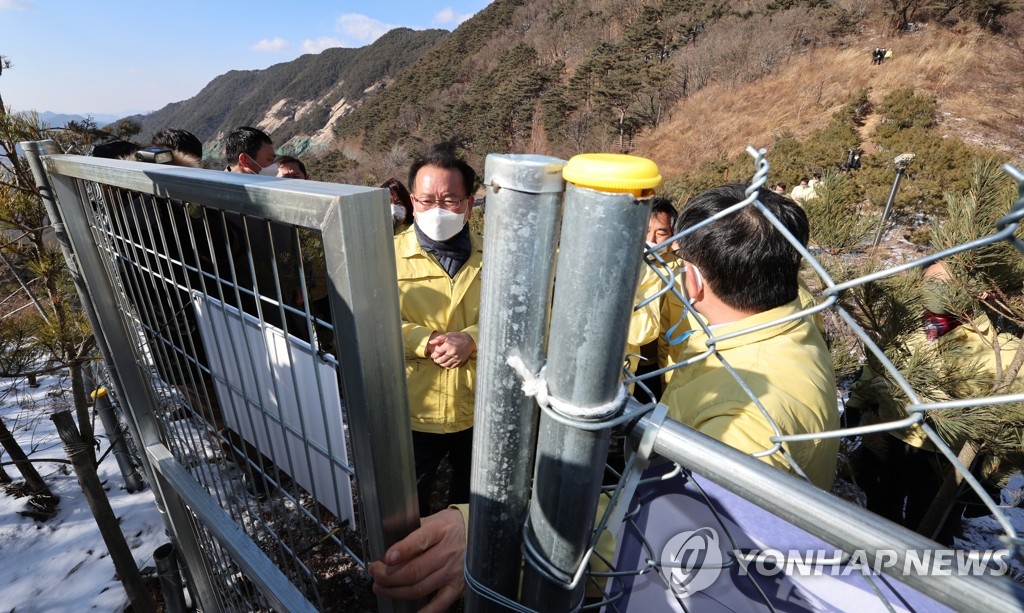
point(903, 109)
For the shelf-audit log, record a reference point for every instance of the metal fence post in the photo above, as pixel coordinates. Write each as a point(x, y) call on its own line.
point(524, 205)
point(901, 167)
point(115, 437)
point(364, 308)
point(599, 263)
point(33, 151)
point(97, 294)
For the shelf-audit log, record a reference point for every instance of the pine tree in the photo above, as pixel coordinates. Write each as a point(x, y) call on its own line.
point(45, 328)
point(981, 289)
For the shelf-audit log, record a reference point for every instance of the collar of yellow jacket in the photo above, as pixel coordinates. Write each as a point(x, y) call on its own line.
point(753, 322)
point(408, 246)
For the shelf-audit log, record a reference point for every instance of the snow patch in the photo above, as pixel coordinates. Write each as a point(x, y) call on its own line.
point(62, 564)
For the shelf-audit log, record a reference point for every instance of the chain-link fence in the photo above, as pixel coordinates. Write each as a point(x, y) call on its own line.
point(262, 373)
point(716, 528)
point(252, 333)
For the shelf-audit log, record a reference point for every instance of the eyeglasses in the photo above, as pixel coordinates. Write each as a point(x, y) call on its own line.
point(449, 203)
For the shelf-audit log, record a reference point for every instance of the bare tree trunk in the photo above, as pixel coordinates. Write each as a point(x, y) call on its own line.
point(4, 477)
point(35, 483)
point(82, 407)
point(80, 453)
point(945, 499)
point(1009, 374)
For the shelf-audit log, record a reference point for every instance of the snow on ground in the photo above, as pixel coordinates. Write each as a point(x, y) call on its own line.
point(62, 564)
point(983, 533)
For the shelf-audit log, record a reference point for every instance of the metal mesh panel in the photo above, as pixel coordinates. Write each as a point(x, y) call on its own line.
point(165, 253)
point(222, 316)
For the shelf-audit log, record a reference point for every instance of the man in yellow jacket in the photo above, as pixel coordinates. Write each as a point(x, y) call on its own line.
point(740, 273)
point(645, 326)
point(438, 267)
point(900, 471)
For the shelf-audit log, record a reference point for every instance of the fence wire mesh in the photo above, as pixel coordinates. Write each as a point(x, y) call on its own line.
point(220, 305)
point(834, 305)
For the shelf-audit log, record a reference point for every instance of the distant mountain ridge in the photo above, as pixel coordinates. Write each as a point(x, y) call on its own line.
point(59, 120)
point(297, 102)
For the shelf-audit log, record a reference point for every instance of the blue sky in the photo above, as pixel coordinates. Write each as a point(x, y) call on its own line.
point(125, 56)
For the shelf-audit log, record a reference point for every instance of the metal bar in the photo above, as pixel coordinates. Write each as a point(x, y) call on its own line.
point(820, 513)
point(253, 195)
point(272, 583)
point(134, 385)
point(367, 323)
point(524, 205)
point(900, 169)
point(599, 262)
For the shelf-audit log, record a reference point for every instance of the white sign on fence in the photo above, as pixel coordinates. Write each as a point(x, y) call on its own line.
point(281, 397)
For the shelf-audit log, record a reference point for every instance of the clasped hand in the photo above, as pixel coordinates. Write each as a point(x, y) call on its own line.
point(450, 349)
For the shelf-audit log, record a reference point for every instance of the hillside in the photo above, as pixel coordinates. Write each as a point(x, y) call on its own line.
point(302, 98)
point(974, 77)
point(685, 82)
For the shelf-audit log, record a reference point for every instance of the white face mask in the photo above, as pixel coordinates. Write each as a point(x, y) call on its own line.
point(440, 224)
point(650, 247)
point(267, 171)
point(398, 213)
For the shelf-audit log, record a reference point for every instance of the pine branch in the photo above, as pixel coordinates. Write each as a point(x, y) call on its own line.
point(24, 286)
point(1011, 372)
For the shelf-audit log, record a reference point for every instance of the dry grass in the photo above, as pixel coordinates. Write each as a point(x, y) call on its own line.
point(976, 79)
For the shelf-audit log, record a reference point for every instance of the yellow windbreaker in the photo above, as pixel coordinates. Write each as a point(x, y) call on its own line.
point(971, 345)
point(789, 369)
point(440, 399)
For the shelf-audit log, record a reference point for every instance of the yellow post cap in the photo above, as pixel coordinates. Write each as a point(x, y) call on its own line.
point(99, 392)
point(612, 172)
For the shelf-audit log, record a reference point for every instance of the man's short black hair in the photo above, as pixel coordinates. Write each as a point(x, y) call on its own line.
point(747, 261)
point(444, 155)
point(114, 150)
point(661, 205)
point(244, 140)
point(288, 159)
point(179, 140)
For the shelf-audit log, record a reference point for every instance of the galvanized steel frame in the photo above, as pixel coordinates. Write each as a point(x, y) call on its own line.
point(354, 223)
